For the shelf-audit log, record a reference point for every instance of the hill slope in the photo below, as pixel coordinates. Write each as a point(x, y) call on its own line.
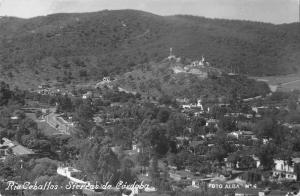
point(68, 47)
point(154, 80)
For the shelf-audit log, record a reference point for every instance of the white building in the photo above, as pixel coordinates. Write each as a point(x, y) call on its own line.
point(198, 105)
point(71, 173)
point(105, 82)
point(285, 171)
point(87, 95)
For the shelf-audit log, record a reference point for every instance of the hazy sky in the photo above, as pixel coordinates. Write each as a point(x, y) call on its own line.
point(275, 11)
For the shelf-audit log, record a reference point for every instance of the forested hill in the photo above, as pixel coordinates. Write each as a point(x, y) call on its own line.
point(67, 47)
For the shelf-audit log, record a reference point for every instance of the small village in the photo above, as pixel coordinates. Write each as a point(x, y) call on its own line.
point(183, 144)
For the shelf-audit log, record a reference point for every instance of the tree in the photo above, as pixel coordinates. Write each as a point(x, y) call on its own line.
point(176, 124)
point(84, 112)
point(163, 115)
point(227, 124)
point(64, 104)
point(197, 125)
point(265, 127)
point(266, 154)
point(247, 162)
point(217, 153)
point(38, 114)
point(84, 115)
point(44, 166)
point(252, 176)
point(143, 159)
point(27, 127)
point(99, 162)
point(126, 173)
point(5, 118)
point(154, 172)
point(154, 136)
point(108, 164)
point(165, 99)
point(122, 136)
point(83, 73)
point(292, 103)
point(5, 93)
point(97, 131)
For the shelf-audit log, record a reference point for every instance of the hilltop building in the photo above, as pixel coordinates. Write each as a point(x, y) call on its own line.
point(173, 57)
point(201, 68)
point(106, 81)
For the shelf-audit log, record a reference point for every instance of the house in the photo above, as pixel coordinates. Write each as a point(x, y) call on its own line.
point(183, 100)
point(98, 120)
point(77, 177)
point(291, 126)
point(137, 147)
point(283, 170)
point(87, 95)
point(242, 135)
point(260, 110)
point(194, 144)
point(236, 115)
point(181, 141)
point(72, 174)
point(252, 98)
point(44, 86)
point(235, 134)
point(120, 89)
point(180, 175)
point(261, 192)
point(255, 162)
point(105, 82)
point(187, 105)
point(212, 122)
point(266, 140)
point(248, 135)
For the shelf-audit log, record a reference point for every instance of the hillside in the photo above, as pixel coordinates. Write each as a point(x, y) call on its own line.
point(155, 80)
point(87, 46)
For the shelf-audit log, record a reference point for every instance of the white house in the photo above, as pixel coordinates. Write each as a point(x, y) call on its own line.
point(285, 171)
point(198, 105)
point(71, 173)
point(87, 95)
point(105, 82)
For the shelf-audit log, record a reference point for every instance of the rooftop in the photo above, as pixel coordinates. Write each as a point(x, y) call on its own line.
point(19, 150)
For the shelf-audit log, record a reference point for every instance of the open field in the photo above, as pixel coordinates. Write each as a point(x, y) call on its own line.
point(43, 126)
point(47, 129)
point(282, 83)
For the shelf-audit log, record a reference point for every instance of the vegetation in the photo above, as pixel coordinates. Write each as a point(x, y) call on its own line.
point(157, 81)
point(86, 46)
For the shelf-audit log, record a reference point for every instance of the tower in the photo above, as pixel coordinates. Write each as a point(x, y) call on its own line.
point(171, 56)
point(171, 49)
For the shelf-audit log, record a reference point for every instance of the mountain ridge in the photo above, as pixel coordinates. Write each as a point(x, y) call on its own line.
point(87, 46)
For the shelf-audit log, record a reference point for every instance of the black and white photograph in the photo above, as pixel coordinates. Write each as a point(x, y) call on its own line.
point(149, 97)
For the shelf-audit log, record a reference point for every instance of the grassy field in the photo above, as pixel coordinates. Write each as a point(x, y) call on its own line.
point(45, 128)
point(285, 83)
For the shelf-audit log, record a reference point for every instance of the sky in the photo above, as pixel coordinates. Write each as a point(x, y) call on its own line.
point(273, 11)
